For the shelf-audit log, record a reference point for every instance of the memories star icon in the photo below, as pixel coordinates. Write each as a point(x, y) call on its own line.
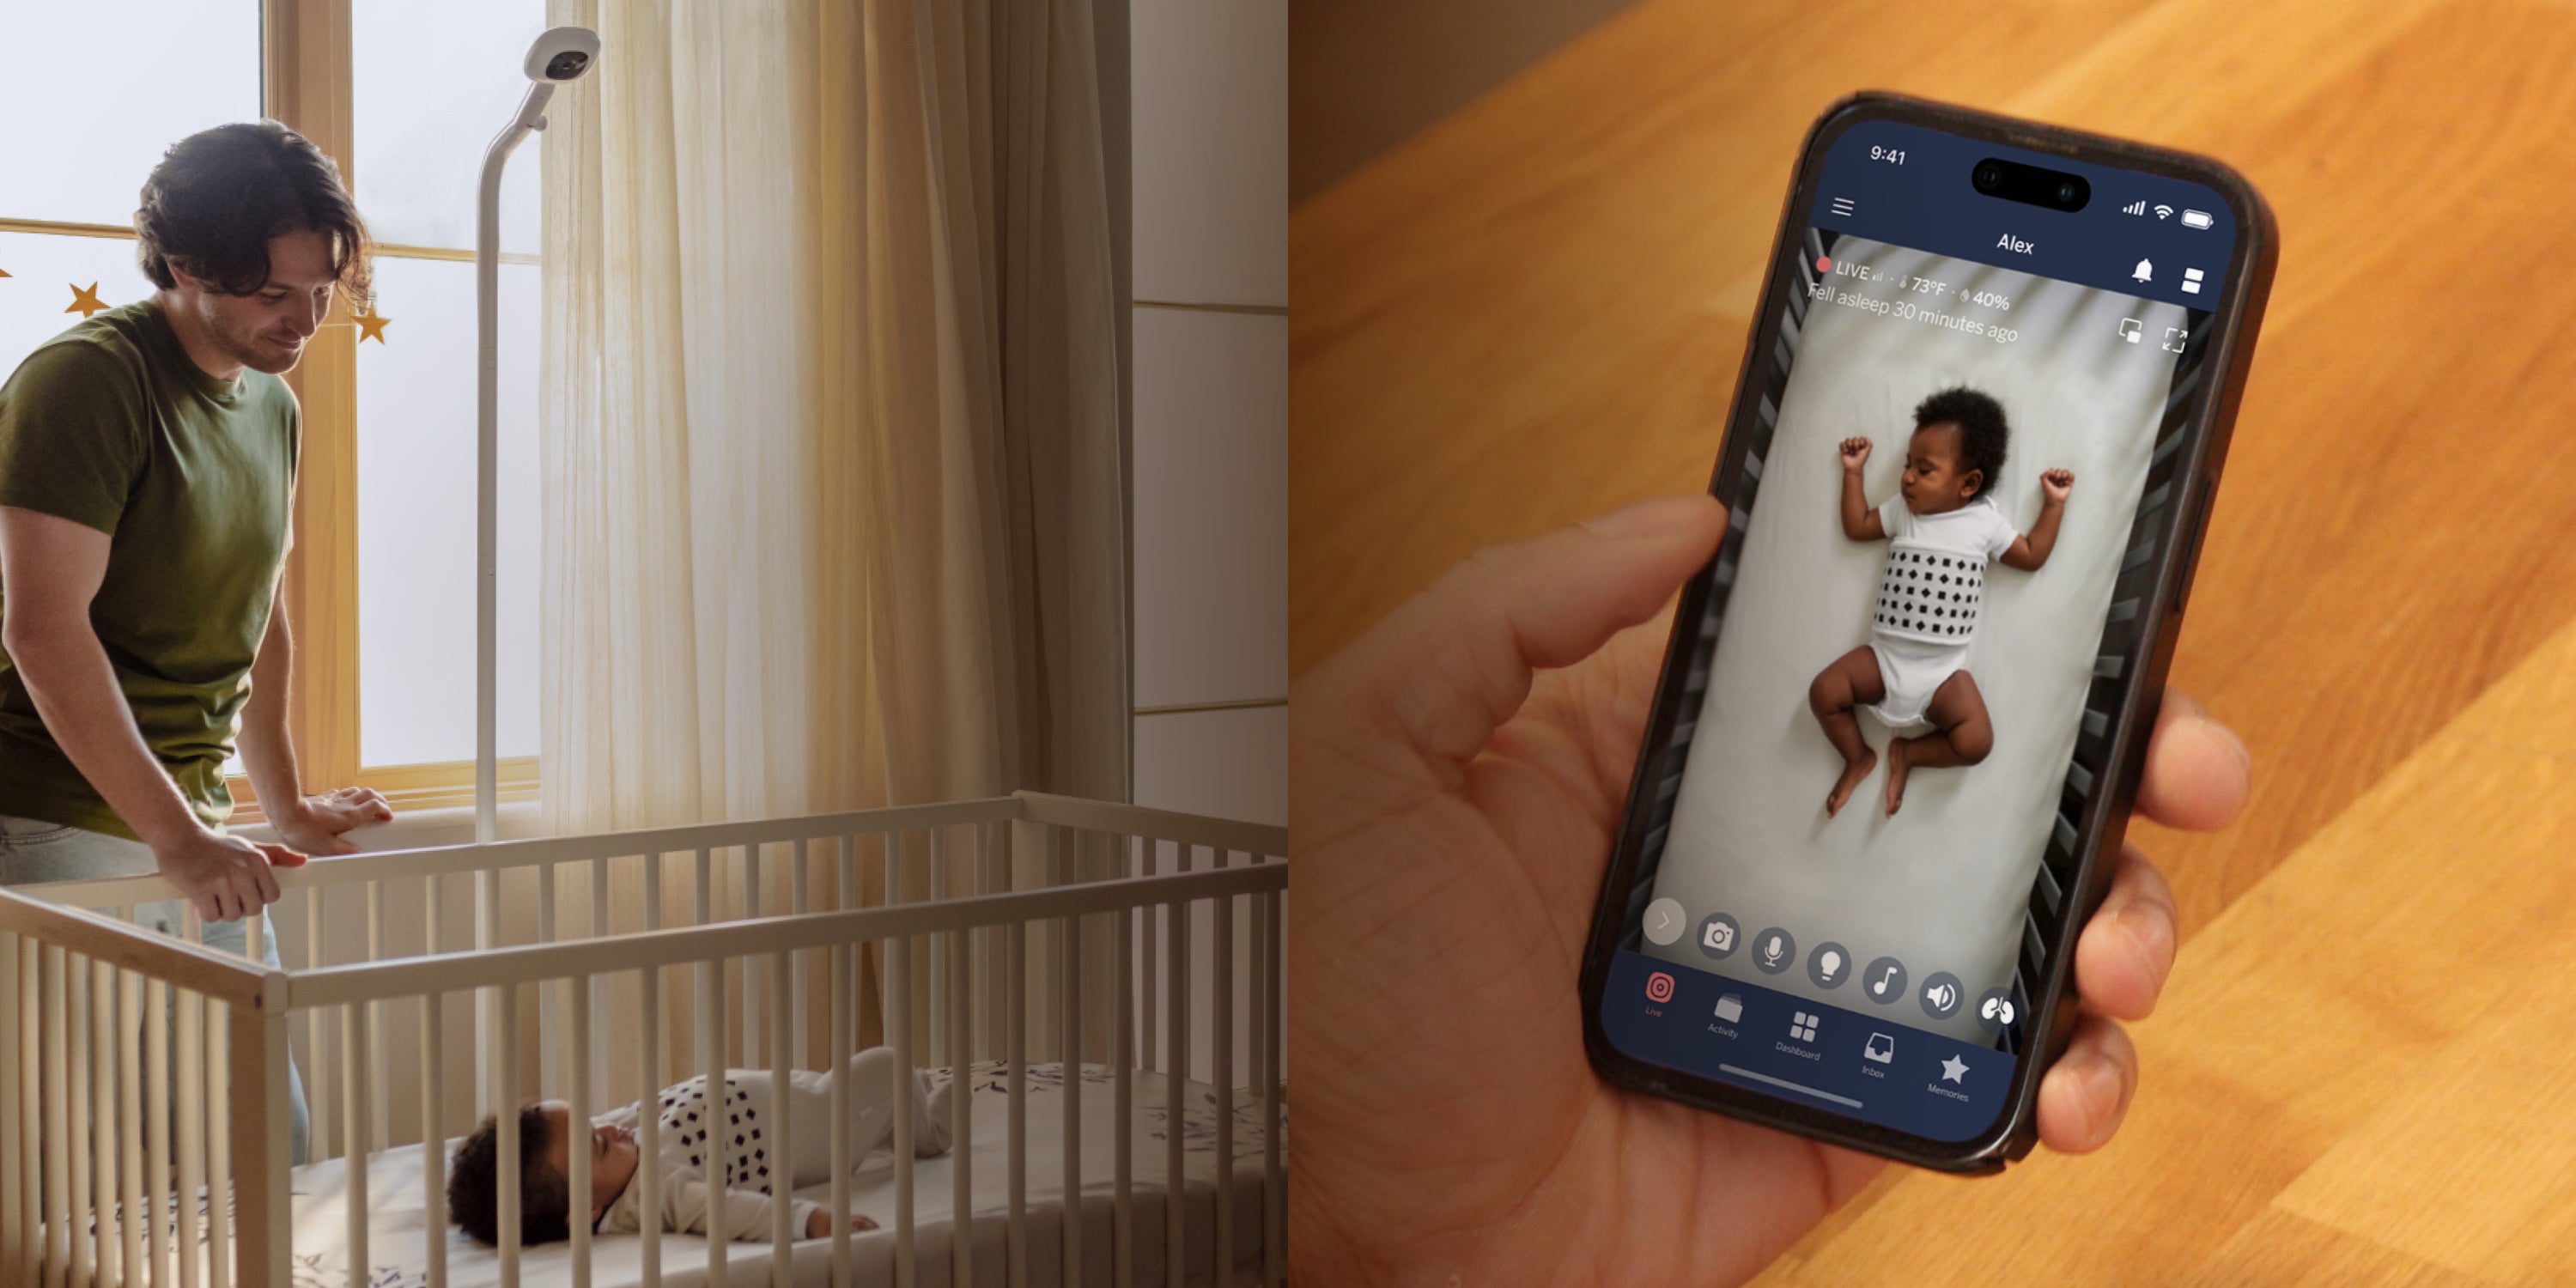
point(1955, 1069)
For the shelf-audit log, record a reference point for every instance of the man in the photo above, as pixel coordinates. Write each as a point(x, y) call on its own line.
point(147, 470)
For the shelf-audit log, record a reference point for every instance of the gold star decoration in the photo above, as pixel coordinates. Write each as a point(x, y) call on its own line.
point(370, 327)
point(4, 272)
point(86, 301)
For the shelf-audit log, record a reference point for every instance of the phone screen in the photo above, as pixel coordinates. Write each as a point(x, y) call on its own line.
point(2013, 380)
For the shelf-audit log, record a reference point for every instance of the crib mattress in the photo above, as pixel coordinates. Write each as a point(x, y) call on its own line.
point(395, 1220)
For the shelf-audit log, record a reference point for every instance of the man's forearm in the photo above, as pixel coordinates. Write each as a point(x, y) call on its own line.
point(76, 695)
point(267, 750)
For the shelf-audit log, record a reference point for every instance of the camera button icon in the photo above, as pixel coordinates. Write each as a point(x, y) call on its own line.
point(1718, 935)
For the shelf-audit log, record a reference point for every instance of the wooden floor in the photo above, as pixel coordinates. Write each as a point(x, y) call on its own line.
point(1534, 311)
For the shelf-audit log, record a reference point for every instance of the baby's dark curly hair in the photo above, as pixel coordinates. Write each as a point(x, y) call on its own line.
point(473, 1185)
point(1983, 435)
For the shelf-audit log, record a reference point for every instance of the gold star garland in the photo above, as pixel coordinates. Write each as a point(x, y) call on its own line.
point(85, 301)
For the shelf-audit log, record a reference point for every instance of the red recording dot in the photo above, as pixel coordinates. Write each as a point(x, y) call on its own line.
point(1824, 264)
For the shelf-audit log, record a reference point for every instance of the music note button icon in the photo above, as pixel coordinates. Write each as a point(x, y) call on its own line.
point(1884, 981)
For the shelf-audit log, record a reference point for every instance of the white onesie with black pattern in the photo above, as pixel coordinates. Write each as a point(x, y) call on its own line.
point(1930, 600)
point(756, 1159)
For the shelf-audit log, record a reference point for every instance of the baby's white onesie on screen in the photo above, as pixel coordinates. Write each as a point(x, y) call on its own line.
point(760, 1166)
point(1929, 599)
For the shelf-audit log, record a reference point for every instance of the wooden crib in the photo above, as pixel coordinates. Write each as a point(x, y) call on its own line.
point(144, 1104)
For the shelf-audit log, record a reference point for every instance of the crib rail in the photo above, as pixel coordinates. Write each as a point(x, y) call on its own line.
point(1020, 930)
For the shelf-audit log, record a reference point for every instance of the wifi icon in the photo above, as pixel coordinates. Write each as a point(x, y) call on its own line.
point(2164, 212)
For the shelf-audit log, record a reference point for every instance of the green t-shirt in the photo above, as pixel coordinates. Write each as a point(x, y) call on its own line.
point(111, 425)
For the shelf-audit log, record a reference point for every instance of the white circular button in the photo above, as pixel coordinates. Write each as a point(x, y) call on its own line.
point(1664, 921)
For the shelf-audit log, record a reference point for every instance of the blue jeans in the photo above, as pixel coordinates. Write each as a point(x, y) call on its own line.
point(33, 850)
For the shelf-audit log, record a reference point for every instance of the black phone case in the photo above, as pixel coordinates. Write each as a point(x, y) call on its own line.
point(2234, 320)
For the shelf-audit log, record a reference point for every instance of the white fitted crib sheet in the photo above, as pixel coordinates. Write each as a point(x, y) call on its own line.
point(394, 1200)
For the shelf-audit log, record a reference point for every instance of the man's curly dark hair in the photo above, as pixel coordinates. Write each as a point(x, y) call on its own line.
point(473, 1185)
point(219, 195)
point(1983, 435)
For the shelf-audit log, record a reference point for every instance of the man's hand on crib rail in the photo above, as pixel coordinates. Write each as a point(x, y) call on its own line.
point(225, 877)
point(316, 823)
point(1459, 772)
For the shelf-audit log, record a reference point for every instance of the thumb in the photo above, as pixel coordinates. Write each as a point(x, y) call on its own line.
point(281, 857)
point(1443, 671)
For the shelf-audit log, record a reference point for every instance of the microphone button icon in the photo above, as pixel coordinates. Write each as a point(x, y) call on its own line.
point(1775, 950)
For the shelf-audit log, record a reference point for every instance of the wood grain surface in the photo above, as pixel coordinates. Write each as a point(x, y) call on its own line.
point(1534, 312)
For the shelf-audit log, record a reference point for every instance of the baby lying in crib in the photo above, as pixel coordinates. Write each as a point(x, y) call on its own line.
point(755, 1156)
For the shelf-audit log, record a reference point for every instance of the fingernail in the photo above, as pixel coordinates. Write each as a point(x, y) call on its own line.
point(2102, 1091)
point(1655, 518)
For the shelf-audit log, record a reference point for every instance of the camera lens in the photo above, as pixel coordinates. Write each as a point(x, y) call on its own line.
point(2066, 192)
point(1989, 177)
point(566, 65)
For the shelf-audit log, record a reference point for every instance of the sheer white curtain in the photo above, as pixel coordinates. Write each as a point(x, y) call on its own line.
point(831, 436)
point(832, 484)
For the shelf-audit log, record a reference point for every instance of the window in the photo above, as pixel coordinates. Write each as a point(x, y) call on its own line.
point(380, 587)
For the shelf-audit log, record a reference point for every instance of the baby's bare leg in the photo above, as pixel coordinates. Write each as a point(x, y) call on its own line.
point(1962, 735)
point(1848, 681)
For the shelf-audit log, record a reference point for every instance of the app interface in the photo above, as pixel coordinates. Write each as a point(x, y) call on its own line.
point(1949, 513)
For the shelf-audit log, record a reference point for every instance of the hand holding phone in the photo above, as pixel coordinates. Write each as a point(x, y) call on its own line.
point(1459, 774)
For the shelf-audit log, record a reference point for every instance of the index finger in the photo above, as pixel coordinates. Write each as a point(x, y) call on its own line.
point(2199, 773)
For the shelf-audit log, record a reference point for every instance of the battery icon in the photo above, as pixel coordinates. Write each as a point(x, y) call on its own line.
point(2195, 219)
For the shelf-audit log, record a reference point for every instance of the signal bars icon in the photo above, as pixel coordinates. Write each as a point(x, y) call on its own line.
point(2138, 207)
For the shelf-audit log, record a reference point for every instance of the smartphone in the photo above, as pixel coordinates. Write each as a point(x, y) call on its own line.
point(1980, 420)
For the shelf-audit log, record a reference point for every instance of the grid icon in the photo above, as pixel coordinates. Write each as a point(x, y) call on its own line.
point(1802, 1026)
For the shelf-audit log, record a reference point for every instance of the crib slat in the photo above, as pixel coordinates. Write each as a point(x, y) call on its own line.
point(577, 1123)
point(56, 968)
point(898, 956)
point(503, 1078)
point(219, 1149)
point(961, 1118)
point(193, 1079)
point(487, 901)
point(1122, 1235)
point(747, 887)
point(839, 1024)
point(320, 1096)
point(1148, 861)
point(596, 1033)
point(354, 1037)
point(1274, 1179)
point(83, 1250)
point(263, 1237)
point(17, 1126)
point(102, 1110)
point(652, 1054)
point(549, 1018)
point(433, 1135)
point(129, 1124)
point(1015, 1031)
point(782, 1130)
point(13, 1232)
point(1221, 1054)
point(939, 1036)
point(379, 1108)
point(981, 1045)
point(796, 999)
point(711, 1054)
point(1069, 1000)
point(1176, 1076)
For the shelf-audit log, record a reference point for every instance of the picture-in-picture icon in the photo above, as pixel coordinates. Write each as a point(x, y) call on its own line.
point(2131, 329)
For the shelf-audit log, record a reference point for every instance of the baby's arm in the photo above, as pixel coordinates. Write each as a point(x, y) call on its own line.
point(740, 1216)
point(2030, 549)
point(1860, 519)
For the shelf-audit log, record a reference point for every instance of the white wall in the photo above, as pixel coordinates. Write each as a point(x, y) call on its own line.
point(1209, 103)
